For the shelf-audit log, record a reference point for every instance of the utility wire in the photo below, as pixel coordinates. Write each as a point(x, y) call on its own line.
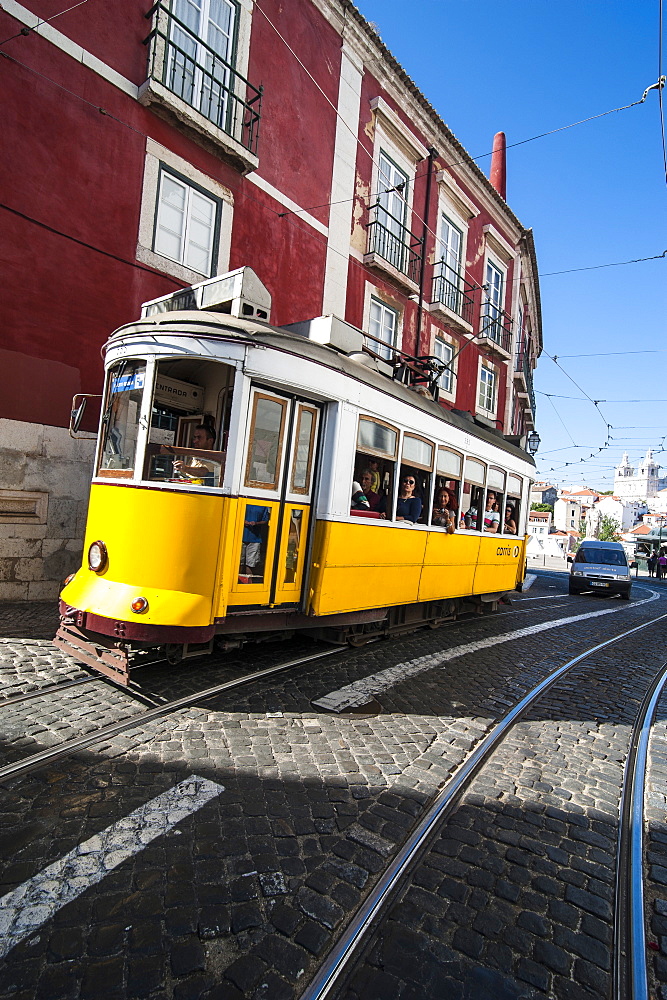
point(26, 30)
point(660, 89)
point(283, 214)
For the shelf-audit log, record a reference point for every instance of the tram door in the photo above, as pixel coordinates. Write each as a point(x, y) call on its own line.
point(275, 508)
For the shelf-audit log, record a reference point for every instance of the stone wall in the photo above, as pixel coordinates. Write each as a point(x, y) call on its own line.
point(44, 482)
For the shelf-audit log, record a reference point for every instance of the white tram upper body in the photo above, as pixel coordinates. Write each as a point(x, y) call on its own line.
point(221, 503)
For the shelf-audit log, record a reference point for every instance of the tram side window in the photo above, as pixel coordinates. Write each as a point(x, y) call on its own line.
point(513, 505)
point(473, 500)
point(494, 514)
point(414, 500)
point(374, 469)
point(189, 423)
point(446, 505)
point(120, 420)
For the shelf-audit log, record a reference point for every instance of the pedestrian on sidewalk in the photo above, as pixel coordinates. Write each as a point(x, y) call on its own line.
point(650, 564)
point(662, 565)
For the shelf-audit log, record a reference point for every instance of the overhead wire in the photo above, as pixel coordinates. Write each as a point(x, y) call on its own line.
point(40, 21)
point(658, 86)
point(660, 89)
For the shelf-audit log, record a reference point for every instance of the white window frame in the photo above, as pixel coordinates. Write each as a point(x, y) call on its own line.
point(488, 369)
point(158, 156)
point(376, 304)
point(193, 198)
point(206, 27)
point(447, 381)
point(397, 142)
point(497, 305)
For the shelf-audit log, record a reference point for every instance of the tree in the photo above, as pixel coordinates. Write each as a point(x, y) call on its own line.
point(609, 529)
point(542, 506)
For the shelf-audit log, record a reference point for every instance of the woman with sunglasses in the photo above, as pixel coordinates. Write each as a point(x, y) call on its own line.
point(408, 506)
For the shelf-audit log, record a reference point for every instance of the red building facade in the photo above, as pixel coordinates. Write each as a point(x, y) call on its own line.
point(147, 149)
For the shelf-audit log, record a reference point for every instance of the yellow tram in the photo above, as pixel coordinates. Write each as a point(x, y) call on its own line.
point(226, 504)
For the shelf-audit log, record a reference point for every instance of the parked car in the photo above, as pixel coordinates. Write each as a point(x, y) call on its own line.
point(600, 566)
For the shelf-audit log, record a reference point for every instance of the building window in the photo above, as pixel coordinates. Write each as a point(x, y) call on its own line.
point(387, 232)
point(186, 224)
point(494, 289)
point(451, 241)
point(444, 352)
point(197, 55)
point(487, 389)
point(383, 325)
point(202, 36)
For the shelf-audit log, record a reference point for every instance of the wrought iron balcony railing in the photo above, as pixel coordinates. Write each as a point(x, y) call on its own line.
point(522, 366)
point(393, 242)
point(452, 291)
point(188, 67)
point(496, 325)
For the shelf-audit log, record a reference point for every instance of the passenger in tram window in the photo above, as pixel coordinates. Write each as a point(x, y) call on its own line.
point(253, 545)
point(408, 505)
point(359, 500)
point(471, 517)
point(444, 510)
point(491, 515)
point(510, 520)
point(376, 501)
point(374, 469)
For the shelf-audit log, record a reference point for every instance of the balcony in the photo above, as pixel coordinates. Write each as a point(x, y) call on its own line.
point(393, 249)
point(452, 296)
point(523, 369)
point(194, 84)
point(495, 329)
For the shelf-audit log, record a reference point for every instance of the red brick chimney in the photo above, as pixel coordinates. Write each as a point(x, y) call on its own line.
point(499, 164)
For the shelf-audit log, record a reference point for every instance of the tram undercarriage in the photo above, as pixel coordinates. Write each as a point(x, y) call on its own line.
point(117, 654)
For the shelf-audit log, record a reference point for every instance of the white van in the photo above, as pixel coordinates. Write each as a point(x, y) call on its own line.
point(600, 566)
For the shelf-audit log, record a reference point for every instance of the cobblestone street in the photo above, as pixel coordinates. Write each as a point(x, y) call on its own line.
point(243, 896)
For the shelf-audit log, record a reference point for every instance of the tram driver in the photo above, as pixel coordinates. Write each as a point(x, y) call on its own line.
point(203, 437)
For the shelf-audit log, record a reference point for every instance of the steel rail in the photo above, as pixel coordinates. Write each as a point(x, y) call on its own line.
point(383, 893)
point(47, 689)
point(46, 756)
point(69, 747)
point(630, 973)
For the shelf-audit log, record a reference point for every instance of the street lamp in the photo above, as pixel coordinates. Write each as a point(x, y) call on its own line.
point(533, 442)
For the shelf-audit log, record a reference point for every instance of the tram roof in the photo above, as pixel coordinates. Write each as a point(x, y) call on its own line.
point(223, 326)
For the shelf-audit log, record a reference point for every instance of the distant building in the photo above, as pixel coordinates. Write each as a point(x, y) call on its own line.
point(626, 512)
point(568, 512)
point(645, 484)
point(544, 493)
point(539, 522)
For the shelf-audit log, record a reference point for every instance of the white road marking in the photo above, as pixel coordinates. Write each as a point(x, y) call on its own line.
point(34, 902)
point(362, 691)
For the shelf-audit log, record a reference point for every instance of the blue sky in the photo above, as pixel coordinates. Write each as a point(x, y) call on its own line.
point(594, 194)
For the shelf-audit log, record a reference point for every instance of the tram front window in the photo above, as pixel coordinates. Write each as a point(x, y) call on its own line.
point(189, 423)
point(120, 421)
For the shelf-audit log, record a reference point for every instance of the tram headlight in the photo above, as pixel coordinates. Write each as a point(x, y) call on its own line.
point(139, 605)
point(98, 557)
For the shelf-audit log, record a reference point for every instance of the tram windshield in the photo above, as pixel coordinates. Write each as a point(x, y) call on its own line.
point(188, 423)
point(187, 437)
point(120, 419)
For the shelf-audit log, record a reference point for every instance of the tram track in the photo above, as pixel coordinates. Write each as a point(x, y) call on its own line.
point(50, 755)
point(157, 701)
point(159, 705)
point(630, 970)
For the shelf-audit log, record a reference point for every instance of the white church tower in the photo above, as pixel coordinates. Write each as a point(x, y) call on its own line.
point(644, 485)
